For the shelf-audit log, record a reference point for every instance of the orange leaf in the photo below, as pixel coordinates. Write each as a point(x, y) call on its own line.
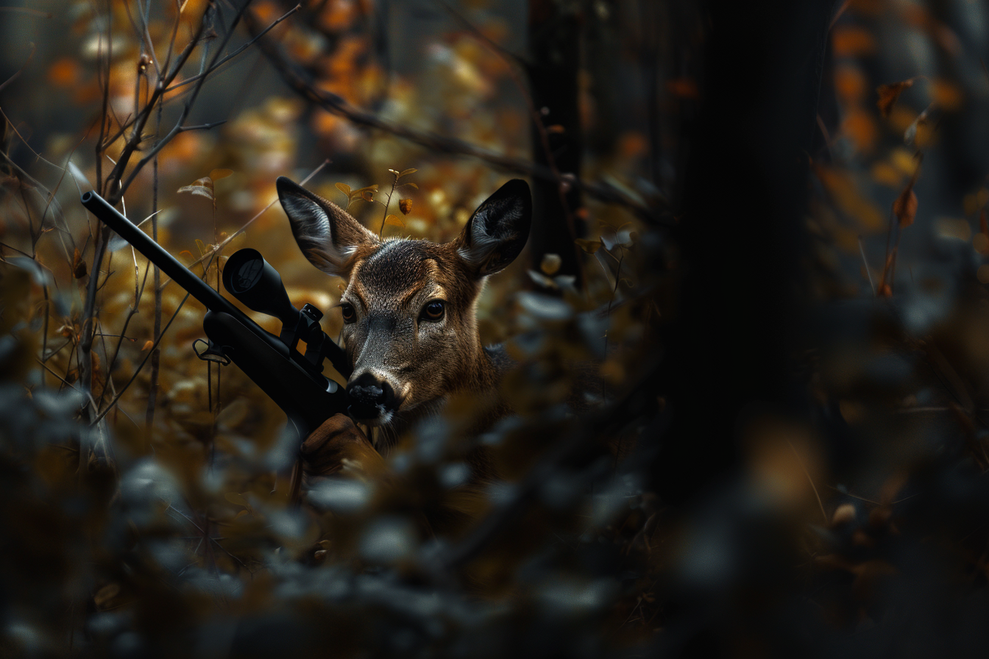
point(683, 87)
point(148, 345)
point(852, 41)
point(888, 94)
point(405, 205)
point(394, 220)
point(78, 265)
point(905, 207)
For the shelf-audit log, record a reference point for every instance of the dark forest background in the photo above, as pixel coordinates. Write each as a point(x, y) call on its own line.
point(761, 227)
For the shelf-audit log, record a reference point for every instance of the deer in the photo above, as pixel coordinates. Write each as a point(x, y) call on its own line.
point(409, 329)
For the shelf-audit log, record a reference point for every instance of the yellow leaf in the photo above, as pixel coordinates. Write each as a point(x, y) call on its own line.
point(412, 185)
point(148, 345)
point(406, 172)
point(589, 246)
point(344, 188)
point(202, 187)
point(394, 220)
point(551, 264)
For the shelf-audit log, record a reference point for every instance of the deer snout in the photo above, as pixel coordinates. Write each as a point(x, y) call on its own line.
point(372, 400)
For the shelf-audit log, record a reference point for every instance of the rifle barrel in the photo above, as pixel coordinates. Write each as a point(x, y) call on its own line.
point(155, 253)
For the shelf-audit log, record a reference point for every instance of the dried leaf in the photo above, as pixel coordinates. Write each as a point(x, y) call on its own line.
point(888, 94)
point(78, 265)
point(905, 207)
point(105, 594)
point(589, 246)
point(919, 133)
point(202, 187)
point(551, 264)
point(406, 172)
point(148, 345)
point(236, 498)
point(394, 220)
point(405, 205)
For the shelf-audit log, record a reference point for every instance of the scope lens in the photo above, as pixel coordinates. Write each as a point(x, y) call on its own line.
point(243, 271)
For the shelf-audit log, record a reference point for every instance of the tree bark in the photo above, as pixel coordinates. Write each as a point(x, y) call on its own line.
point(741, 236)
point(557, 143)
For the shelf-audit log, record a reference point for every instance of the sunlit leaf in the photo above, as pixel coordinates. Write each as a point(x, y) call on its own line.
point(406, 172)
point(202, 187)
point(343, 187)
point(394, 220)
point(148, 345)
point(411, 185)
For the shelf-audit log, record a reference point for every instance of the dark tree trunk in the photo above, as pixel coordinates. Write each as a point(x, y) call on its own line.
point(741, 237)
point(553, 64)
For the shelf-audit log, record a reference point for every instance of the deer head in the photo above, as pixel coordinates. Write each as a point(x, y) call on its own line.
point(409, 306)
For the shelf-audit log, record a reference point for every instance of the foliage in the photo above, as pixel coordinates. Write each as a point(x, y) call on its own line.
point(145, 494)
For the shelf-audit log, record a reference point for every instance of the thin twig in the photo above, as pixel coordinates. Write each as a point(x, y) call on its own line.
point(301, 84)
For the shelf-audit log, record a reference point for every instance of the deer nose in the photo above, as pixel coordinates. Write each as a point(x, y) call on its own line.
point(370, 397)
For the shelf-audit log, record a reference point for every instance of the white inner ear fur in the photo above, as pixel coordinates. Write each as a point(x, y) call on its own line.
point(314, 233)
point(308, 218)
point(482, 244)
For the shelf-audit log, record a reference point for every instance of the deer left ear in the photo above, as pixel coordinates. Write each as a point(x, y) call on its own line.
point(498, 230)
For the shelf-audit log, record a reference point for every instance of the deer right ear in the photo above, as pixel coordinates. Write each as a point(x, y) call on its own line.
point(498, 230)
point(327, 234)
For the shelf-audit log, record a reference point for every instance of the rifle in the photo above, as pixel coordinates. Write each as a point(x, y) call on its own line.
point(290, 378)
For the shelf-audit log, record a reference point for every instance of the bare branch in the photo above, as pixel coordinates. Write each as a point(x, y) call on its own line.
point(301, 83)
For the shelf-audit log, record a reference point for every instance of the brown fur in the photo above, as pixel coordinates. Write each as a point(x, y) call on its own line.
point(389, 284)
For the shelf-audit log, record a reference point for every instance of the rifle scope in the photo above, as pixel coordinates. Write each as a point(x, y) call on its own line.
point(249, 278)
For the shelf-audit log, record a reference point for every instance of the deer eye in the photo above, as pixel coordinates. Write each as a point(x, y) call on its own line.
point(347, 311)
point(433, 311)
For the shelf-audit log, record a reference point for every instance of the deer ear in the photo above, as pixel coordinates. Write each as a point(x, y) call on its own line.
point(327, 235)
point(498, 230)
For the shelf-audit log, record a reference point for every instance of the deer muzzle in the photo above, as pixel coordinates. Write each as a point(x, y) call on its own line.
point(372, 400)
